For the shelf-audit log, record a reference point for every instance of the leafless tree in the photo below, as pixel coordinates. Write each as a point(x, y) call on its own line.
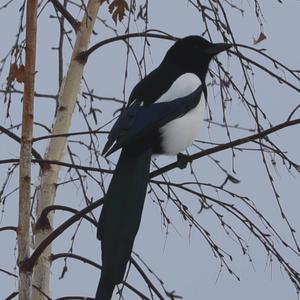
point(61, 147)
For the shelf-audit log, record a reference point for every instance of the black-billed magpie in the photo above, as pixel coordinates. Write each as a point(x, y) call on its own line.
point(163, 116)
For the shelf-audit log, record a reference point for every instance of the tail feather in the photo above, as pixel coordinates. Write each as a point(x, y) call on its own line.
point(104, 290)
point(120, 217)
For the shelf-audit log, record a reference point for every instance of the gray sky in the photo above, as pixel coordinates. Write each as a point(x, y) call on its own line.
point(181, 258)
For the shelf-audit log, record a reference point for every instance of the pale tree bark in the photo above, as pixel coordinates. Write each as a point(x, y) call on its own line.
point(55, 151)
point(25, 275)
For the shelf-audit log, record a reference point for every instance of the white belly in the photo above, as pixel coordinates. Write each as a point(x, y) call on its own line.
point(180, 133)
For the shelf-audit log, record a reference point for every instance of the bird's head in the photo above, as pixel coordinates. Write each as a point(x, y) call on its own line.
point(193, 54)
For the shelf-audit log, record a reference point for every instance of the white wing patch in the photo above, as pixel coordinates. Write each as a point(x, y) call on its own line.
point(180, 133)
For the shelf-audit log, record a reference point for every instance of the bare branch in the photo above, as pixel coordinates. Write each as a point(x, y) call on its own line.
point(30, 262)
point(43, 220)
point(229, 145)
point(25, 284)
point(83, 56)
point(18, 139)
point(6, 228)
point(90, 262)
point(73, 22)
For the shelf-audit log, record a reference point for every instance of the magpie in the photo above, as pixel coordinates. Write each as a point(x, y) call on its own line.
point(163, 116)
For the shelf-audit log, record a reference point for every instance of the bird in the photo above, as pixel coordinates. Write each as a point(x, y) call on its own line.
point(163, 116)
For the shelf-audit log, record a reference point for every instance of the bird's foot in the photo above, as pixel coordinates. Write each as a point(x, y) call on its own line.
point(182, 160)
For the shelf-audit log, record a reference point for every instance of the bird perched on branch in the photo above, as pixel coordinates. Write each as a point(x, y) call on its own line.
point(163, 116)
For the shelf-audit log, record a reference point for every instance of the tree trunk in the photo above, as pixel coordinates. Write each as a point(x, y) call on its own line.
point(25, 276)
point(55, 151)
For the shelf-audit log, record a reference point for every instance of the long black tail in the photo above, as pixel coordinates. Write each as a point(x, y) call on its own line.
point(120, 218)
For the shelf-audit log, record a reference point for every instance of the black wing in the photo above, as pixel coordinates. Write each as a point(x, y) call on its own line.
point(137, 121)
point(155, 84)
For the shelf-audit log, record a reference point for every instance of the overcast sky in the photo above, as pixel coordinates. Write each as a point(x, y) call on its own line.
point(181, 258)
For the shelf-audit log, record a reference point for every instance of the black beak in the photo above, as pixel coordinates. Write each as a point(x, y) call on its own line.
point(217, 48)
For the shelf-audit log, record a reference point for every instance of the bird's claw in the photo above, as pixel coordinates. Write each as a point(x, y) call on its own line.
point(182, 160)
